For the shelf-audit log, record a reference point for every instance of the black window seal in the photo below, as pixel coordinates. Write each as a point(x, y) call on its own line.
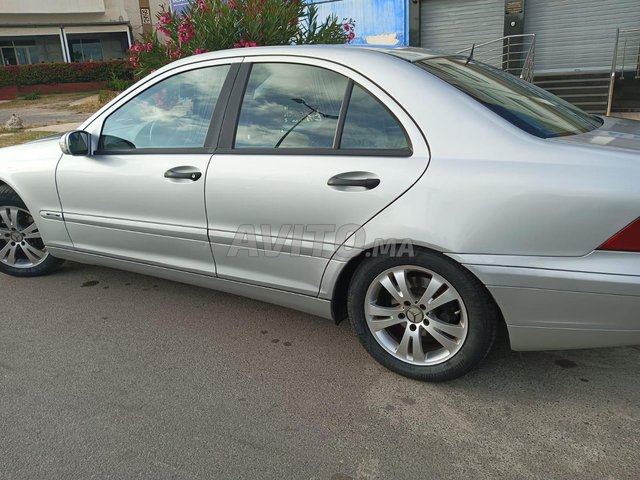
point(215, 127)
point(359, 152)
point(232, 116)
point(343, 115)
point(157, 151)
point(215, 124)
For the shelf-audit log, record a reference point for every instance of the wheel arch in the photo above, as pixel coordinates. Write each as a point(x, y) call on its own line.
point(6, 184)
point(340, 290)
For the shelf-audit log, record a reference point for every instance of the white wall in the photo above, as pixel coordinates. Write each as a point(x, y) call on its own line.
point(41, 7)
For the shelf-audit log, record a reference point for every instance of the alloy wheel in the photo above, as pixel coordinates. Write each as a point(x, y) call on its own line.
point(21, 244)
point(416, 315)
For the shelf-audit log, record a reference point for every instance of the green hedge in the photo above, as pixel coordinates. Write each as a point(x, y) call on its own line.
point(48, 73)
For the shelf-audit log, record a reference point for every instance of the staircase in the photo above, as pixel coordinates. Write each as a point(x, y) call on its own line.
point(588, 91)
point(624, 86)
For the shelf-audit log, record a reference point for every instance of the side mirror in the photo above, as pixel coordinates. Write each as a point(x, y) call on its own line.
point(75, 143)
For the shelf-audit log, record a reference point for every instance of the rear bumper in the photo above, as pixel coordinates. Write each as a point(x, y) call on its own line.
point(561, 303)
point(540, 319)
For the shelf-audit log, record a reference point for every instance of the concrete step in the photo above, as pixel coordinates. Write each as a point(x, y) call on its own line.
point(589, 91)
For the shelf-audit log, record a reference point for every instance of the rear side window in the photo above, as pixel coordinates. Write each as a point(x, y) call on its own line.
point(290, 106)
point(293, 106)
point(369, 125)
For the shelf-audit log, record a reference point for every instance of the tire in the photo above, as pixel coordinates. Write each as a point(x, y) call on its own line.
point(404, 331)
point(31, 258)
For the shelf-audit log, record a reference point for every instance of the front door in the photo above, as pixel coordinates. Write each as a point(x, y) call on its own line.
point(140, 196)
point(312, 153)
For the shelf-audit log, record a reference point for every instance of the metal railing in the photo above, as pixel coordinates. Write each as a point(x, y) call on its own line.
point(626, 57)
point(514, 54)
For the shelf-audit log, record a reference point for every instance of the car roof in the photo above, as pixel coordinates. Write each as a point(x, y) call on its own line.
point(334, 52)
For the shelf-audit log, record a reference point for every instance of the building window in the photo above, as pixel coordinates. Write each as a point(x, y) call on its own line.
point(97, 46)
point(85, 50)
point(18, 52)
point(26, 50)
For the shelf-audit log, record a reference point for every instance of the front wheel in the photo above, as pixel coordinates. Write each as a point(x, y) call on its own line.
point(22, 251)
point(422, 316)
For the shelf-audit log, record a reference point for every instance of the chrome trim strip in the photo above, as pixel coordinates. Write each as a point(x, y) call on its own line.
point(558, 280)
point(273, 245)
point(176, 231)
point(528, 338)
point(51, 215)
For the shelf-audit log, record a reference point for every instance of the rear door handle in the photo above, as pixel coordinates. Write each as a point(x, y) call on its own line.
point(186, 173)
point(364, 180)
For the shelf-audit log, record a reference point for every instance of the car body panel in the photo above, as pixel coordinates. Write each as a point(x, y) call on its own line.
point(552, 200)
point(30, 171)
point(121, 205)
point(559, 320)
point(615, 133)
point(250, 193)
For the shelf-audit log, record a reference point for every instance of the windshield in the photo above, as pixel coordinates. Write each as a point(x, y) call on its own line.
point(526, 106)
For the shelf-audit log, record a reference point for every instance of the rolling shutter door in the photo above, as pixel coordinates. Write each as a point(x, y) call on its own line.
point(577, 34)
point(452, 25)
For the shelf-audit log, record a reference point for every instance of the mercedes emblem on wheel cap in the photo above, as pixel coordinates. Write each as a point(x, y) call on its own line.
point(415, 315)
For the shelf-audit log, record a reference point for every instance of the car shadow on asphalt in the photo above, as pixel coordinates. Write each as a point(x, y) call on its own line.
point(504, 371)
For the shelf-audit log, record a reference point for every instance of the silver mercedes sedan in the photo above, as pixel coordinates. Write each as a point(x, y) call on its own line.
point(428, 198)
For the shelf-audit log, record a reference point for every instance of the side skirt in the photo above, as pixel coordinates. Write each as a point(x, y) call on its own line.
point(296, 301)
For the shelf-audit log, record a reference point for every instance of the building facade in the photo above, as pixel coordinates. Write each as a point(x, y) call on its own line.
point(42, 31)
point(571, 35)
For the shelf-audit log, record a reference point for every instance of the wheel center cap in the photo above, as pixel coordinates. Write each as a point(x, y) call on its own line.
point(16, 237)
point(415, 315)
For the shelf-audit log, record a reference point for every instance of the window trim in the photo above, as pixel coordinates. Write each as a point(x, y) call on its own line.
point(232, 118)
point(358, 152)
point(215, 124)
point(344, 108)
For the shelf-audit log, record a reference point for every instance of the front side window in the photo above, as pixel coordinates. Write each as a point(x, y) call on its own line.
point(173, 113)
point(290, 106)
point(526, 106)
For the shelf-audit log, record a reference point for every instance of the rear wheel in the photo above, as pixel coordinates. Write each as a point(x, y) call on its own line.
point(422, 316)
point(22, 251)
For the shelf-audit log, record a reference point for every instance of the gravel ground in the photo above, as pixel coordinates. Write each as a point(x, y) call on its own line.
point(47, 110)
point(108, 374)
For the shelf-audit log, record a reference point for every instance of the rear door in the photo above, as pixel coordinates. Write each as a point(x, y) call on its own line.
point(309, 151)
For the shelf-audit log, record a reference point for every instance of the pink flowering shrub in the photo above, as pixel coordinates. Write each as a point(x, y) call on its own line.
point(209, 25)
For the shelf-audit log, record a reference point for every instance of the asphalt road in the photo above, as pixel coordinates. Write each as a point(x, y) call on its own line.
point(107, 374)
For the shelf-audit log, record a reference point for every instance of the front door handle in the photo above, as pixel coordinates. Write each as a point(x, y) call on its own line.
point(186, 173)
point(364, 180)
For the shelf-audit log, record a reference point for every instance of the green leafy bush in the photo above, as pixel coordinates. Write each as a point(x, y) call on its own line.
point(118, 84)
point(32, 96)
point(209, 25)
point(105, 96)
point(50, 73)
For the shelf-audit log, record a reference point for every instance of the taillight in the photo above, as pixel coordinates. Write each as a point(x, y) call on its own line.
point(626, 240)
